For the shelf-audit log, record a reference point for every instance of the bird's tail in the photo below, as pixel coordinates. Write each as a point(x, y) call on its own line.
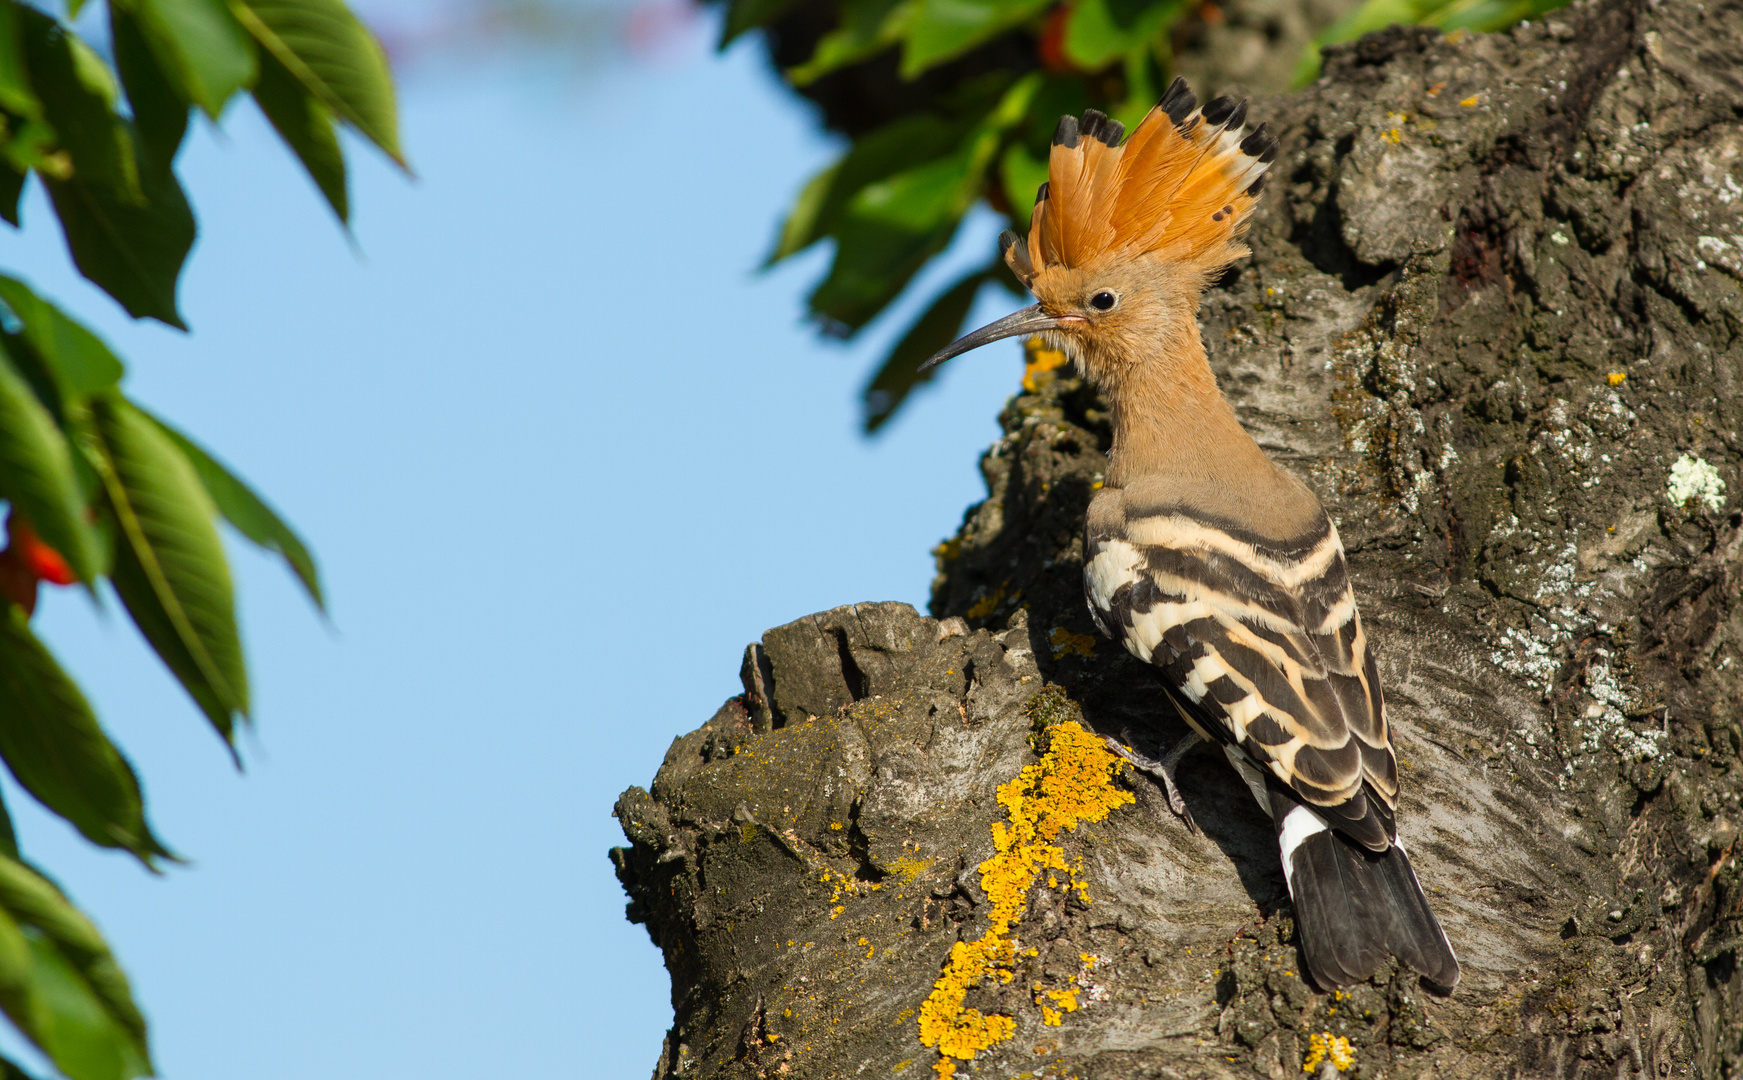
point(1354, 906)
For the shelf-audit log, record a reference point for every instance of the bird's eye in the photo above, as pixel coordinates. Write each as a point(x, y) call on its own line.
point(1103, 301)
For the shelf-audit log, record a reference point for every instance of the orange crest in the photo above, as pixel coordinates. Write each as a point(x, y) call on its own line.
point(1181, 188)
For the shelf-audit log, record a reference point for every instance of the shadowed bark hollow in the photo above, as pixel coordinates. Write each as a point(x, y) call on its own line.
point(1492, 317)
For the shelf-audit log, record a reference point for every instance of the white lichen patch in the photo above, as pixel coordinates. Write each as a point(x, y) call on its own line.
point(1528, 658)
point(1604, 723)
point(1557, 576)
point(1695, 478)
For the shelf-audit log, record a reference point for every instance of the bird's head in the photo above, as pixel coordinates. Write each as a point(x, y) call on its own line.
point(1124, 236)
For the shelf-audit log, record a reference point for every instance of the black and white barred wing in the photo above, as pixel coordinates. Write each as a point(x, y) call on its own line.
point(1261, 643)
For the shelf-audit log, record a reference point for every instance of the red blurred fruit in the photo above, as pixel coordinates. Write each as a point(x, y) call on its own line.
point(1051, 47)
point(35, 556)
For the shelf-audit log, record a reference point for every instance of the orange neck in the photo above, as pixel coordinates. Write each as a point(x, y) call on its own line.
point(1170, 419)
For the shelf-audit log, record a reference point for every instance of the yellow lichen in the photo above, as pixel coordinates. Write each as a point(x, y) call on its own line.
point(1071, 784)
point(987, 604)
point(1064, 641)
point(1325, 1047)
point(1038, 359)
point(909, 867)
point(1616, 378)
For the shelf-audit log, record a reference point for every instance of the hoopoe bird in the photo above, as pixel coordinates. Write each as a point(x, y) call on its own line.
point(1202, 556)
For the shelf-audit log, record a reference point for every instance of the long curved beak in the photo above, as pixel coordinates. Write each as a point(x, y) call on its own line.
point(1030, 320)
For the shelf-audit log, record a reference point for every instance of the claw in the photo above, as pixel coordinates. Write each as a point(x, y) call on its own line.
point(1161, 769)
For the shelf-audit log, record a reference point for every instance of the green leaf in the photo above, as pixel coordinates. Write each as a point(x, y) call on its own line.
point(1369, 16)
point(934, 329)
point(803, 226)
point(1101, 31)
point(160, 110)
point(36, 474)
point(133, 251)
point(942, 30)
point(61, 985)
point(58, 752)
point(78, 96)
point(1488, 16)
point(873, 264)
point(201, 46)
point(334, 57)
point(1023, 177)
point(889, 228)
point(248, 512)
point(78, 361)
point(16, 96)
point(170, 568)
point(917, 200)
point(867, 27)
point(745, 15)
point(895, 148)
point(306, 126)
point(8, 837)
point(11, 189)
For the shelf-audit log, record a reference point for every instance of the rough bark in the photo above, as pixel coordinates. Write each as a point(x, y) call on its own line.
point(1492, 316)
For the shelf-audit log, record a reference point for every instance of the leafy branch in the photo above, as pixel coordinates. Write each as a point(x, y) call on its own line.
point(95, 487)
point(950, 104)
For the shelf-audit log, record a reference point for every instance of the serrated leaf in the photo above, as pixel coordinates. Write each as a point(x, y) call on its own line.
point(78, 98)
point(57, 751)
point(36, 473)
point(335, 58)
point(249, 513)
point(170, 568)
point(78, 361)
point(131, 250)
point(306, 126)
point(160, 110)
point(900, 374)
point(202, 48)
point(942, 30)
point(61, 985)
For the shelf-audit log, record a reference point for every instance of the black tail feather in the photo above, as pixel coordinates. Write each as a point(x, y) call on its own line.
point(1353, 907)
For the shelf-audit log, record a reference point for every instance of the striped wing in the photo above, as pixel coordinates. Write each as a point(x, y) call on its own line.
point(1263, 650)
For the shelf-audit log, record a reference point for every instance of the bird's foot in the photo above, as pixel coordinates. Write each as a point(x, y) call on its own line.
point(1160, 768)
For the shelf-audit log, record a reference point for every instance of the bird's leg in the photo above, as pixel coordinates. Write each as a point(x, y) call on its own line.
point(1162, 769)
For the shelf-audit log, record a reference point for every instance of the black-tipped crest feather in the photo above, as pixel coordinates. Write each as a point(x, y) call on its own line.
point(1066, 133)
point(1217, 110)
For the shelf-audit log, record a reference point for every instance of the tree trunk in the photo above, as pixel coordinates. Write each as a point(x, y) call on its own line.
point(1492, 318)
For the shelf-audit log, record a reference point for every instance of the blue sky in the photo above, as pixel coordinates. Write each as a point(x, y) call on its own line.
point(561, 453)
